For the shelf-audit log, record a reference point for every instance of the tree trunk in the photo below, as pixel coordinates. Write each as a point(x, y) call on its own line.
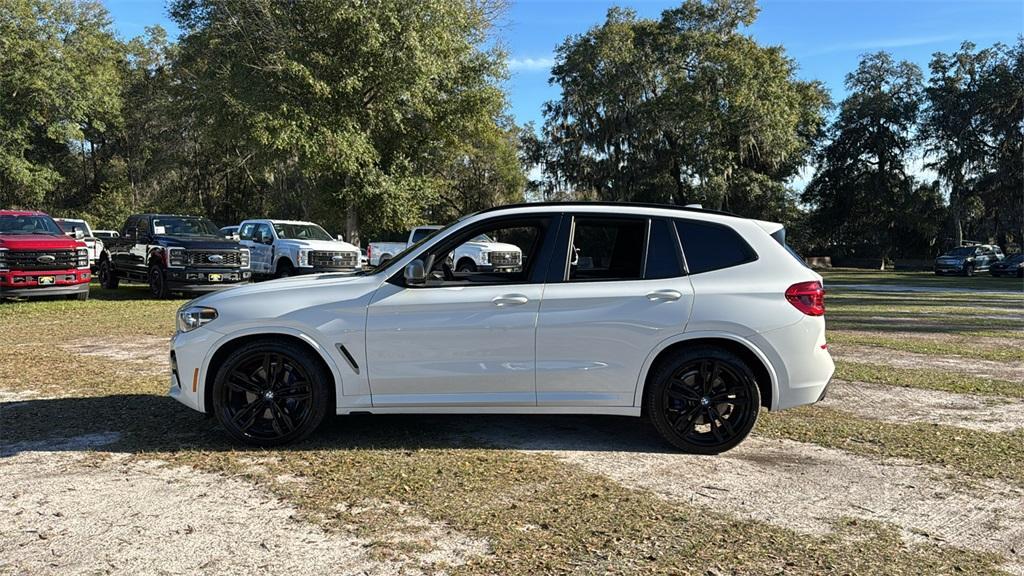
point(352, 226)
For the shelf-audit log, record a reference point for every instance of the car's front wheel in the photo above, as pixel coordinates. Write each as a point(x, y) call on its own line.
point(703, 400)
point(271, 393)
point(158, 282)
point(108, 278)
point(969, 270)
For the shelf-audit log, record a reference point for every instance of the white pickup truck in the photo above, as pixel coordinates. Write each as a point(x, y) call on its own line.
point(481, 254)
point(287, 247)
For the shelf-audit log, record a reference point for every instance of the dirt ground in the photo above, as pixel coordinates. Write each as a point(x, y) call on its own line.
point(101, 474)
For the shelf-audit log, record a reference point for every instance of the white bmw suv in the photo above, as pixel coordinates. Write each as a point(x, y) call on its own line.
point(692, 318)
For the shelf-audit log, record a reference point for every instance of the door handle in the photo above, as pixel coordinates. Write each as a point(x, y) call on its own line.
point(510, 300)
point(664, 295)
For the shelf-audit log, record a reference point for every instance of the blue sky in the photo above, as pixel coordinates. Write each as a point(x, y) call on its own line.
point(824, 36)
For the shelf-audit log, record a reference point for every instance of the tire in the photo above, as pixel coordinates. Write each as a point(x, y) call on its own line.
point(108, 277)
point(81, 296)
point(157, 282)
point(680, 406)
point(286, 407)
point(284, 269)
point(466, 265)
point(969, 270)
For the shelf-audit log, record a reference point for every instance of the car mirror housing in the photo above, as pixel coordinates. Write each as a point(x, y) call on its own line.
point(78, 233)
point(415, 272)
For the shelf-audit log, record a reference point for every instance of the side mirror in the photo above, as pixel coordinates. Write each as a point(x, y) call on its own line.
point(415, 272)
point(340, 237)
point(78, 233)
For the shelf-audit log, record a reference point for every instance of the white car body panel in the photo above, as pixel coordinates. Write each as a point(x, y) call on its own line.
point(570, 347)
point(265, 257)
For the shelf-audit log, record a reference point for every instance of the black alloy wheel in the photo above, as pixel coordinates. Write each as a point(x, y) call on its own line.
point(108, 279)
point(157, 282)
point(704, 400)
point(270, 393)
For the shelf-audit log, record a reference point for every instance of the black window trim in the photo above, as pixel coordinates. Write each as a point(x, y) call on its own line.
point(548, 237)
point(684, 269)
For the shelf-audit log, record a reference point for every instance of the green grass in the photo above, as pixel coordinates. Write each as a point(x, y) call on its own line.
point(981, 282)
point(928, 379)
point(962, 346)
point(973, 453)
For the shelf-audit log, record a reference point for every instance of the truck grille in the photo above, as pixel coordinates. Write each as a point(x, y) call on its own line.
point(43, 260)
point(213, 258)
point(505, 259)
point(324, 259)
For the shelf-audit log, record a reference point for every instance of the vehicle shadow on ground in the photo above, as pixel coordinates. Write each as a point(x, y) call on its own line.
point(135, 423)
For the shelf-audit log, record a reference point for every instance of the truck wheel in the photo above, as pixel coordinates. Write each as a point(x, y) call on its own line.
point(81, 296)
point(284, 269)
point(108, 278)
point(466, 265)
point(271, 393)
point(703, 400)
point(157, 282)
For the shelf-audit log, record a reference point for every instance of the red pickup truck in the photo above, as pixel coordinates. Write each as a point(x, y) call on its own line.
point(38, 259)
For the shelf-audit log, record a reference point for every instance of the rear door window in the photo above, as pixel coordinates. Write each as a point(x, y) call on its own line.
point(708, 246)
point(607, 249)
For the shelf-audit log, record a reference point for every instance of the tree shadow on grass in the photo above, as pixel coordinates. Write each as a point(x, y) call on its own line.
point(137, 423)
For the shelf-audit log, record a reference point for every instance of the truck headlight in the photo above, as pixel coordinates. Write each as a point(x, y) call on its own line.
point(82, 257)
point(303, 258)
point(485, 257)
point(3, 260)
point(195, 316)
point(175, 257)
point(243, 257)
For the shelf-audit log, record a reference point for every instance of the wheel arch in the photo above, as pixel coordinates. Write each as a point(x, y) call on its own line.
point(465, 258)
point(285, 258)
point(226, 346)
point(767, 379)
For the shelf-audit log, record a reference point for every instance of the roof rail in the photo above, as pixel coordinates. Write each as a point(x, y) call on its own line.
point(687, 208)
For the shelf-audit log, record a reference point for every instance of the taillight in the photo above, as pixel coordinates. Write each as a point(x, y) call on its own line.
point(807, 297)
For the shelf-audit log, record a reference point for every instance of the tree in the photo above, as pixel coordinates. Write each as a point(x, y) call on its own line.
point(861, 186)
point(681, 109)
point(346, 108)
point(59, 88)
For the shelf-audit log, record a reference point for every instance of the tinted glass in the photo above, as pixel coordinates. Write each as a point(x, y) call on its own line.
point(608, 249)
point(28, 224)
point(421, 233)
point(245, 232)
point(662, 253)
point(712, 246)
point(184, 226)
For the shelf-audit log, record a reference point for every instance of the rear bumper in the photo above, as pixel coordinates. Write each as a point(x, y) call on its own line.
point(801, 360)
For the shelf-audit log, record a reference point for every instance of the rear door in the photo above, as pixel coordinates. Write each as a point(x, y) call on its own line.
point(617, 290)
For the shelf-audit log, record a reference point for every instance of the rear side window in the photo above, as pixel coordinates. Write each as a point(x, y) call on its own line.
point(608, 249)
point(662, 252)
point(710, 246)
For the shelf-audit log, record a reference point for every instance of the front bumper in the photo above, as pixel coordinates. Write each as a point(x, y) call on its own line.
point(949, 268)
point(56, 282)
point(195, 280)
point(188, 366)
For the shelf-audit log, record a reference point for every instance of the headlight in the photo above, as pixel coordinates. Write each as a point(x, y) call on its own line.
point(195, 316)
point(3, 259)
point(243, 257)
point(83, 257)
point(304, 257)
point(485, 257)
point(175, 257)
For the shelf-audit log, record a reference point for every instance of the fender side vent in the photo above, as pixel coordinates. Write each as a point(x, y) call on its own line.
point(348, 358)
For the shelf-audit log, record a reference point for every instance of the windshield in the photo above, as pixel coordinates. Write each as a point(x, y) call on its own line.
point(300, 232)
point(69, 226)
point(962, 251)
point(184, 226)
point(30, 224)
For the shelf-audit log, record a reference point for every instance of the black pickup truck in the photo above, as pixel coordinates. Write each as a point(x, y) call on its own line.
point(173, 254)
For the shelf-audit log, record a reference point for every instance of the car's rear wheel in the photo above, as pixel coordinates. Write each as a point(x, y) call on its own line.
point(108, 278)
point(271, 393)
point(703, 400)
point(158, 282)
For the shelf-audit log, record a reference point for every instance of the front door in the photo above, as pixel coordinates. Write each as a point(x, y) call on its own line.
point(460, 338)
point(622, 291)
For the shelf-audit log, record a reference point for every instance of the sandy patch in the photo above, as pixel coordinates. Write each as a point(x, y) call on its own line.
point(7, 396)
point(902, 405)
point(150, 351)
point(791, 484)
point(62, 514)
point(1011, 371)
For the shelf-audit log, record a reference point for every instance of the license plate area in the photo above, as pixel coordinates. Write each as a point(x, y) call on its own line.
point(45, 280)
point(214, 277)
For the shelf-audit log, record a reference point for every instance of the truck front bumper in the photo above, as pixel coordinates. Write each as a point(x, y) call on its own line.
point(16, 284)
point(205, 280)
